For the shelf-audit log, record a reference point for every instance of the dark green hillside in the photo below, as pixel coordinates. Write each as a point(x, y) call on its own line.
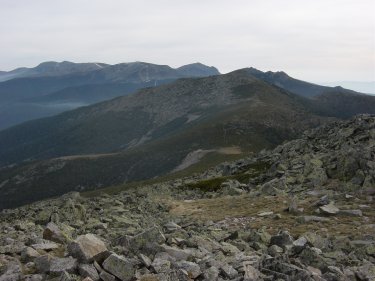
point(344, 103)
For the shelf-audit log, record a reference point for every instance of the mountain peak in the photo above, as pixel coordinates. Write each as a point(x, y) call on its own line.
point(198, 69)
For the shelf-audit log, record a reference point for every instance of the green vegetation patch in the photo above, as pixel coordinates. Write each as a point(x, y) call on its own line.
point(208, 185)
point(253, 170)
point(214, 184)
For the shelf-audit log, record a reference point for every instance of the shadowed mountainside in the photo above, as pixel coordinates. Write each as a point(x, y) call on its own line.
point(52, 87)
point(151, 132)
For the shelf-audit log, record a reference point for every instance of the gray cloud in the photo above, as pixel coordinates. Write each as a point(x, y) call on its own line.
point(321, 40)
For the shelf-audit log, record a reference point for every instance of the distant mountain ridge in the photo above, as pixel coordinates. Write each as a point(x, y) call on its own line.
point(367, 87)
point(50, 68)
point(48, 89)
point(53, 68)
point(283, 80)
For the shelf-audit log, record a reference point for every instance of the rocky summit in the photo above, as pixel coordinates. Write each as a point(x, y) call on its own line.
point(303, 211)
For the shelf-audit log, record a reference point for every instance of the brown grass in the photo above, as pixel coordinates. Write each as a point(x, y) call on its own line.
point(244, 206)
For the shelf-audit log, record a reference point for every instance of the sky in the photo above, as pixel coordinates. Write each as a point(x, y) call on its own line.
point(320, 40)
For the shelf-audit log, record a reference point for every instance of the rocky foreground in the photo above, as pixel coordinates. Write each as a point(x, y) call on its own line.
point(304, 211)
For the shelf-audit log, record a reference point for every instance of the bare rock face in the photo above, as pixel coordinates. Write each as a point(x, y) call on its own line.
point(87, 248)
point(53, 233)
point(88, 271)
point(283, 239)
point(120, 267)
point(59, 265)
point(145, 241)
point(29, 254)
point(193, 270)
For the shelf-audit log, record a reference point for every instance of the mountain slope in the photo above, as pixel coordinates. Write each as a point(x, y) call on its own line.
point(197, 70)
point(283, 80)
point(298, 212)
point(110, 126)
point(150, 133)
point(36, 96)
point(345, 103)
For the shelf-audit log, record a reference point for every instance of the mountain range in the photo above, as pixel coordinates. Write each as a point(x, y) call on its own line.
point(52, 87)
point(179, 127)
point(367, 87)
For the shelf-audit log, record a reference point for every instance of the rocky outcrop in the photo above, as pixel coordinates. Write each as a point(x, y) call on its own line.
point(301, 219)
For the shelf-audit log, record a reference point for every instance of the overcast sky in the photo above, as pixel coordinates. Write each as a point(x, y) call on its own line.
point(319, 40)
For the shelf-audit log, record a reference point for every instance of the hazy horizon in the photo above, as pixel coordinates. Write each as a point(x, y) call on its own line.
point(314, 41)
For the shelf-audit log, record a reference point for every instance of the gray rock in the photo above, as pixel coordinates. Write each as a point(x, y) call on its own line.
point(65, 276)
point(316, 240)
point(313, 257)
point(275, 250)
point(13, 272)
point(120, 267)
point(299, 245)
point(307, 219)
point(283, 239)
point(88, 270)
point(300, 242)
point(145, 260)
point(293, 205)
point(34, 277)
point(329, 209)
point(232, 188)
point(251, 273)
point(176, 253)
point(324, 200)
point(105, 276)
point(211, 274)
point(59, 265)
point(53, 233)
point(366, 272)
point(97, 266)
point(29, 254)
point(265, 214)
point(228, 271)
point(171, 226)
point(260, 236)
point(161, 265)
point(87, 248)
point(46, 246)
point(43, 263)
point(274, 187)
point(193, 270)
point(145, 241)
point(352, 213)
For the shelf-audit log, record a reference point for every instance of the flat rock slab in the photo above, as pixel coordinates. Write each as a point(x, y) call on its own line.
point(352, 213)
point(329, 209)
point(87, 248)
point(59, 265)
point(45, 246)
point(120, 267)
point(265, 214)
point(307, 219)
